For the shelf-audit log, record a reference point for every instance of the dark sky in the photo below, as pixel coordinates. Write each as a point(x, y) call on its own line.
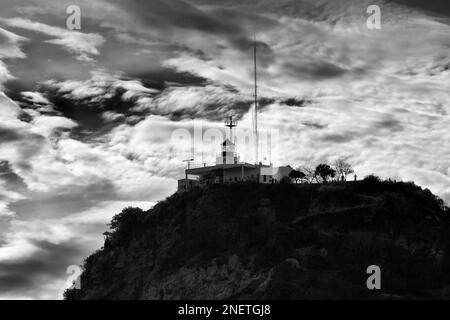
point(90, 120)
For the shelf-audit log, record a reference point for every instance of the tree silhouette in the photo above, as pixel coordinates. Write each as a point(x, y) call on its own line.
point(309, 172)
point(125, 223)
point(285, 180)
point(324, 171)
point(343, 168)
point(296, 175)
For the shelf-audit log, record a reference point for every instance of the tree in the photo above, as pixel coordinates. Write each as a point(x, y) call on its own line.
point(343, 168)
point(309, 173)
point(285, 180)
point(126, 222)
point(372, 178)
point(296, 175)
point(324, 171)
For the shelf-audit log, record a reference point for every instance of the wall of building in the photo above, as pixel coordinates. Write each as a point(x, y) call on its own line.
point(274, 174)
point(235, 174)
point(238, 174)
point(229, 158)
point(183, 183)
point(282, 172)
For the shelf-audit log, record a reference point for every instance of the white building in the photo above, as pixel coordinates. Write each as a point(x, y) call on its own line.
point(228, 169)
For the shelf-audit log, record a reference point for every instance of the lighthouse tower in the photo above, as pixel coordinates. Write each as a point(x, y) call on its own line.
point(228, 154)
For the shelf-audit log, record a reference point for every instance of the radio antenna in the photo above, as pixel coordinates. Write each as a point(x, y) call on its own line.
point(255, 116)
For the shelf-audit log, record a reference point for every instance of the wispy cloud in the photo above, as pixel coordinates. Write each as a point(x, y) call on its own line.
point(84, 45)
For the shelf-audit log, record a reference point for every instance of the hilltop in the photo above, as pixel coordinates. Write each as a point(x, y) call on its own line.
point(280, 241)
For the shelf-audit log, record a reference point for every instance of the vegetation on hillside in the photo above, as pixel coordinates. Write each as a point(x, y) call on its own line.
point(284, 241)
point(323, 173)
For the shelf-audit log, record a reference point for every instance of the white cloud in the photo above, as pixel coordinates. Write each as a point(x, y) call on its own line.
point(210, 101)
point(45, 125)
point(4, 74)
point(10, 45)
point(35, 97)
point(22, 243)
point(9, 109)
point(9, 48)
point(84, 45)
point(110, 116)
point(100, 86)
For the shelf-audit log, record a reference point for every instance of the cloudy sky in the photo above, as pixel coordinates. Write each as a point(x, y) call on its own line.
point(87, 116)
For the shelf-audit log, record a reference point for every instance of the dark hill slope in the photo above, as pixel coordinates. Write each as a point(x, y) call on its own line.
point(287, 241)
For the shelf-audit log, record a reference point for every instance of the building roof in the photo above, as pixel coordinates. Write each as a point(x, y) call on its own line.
point(204, 170)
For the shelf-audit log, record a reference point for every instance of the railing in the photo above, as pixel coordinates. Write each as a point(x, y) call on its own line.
point(198, 165)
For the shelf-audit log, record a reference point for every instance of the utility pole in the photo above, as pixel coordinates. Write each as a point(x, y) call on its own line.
point(188, 161)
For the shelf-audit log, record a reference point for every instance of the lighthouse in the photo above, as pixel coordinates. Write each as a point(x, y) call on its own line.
point(228, 167)
point(228, 153)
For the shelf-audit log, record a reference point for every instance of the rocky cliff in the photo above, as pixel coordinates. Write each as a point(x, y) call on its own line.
point(250, 241)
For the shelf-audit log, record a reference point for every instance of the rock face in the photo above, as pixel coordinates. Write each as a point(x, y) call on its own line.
point(250, 241)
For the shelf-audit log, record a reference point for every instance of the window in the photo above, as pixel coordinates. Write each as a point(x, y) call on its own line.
point(264, 178)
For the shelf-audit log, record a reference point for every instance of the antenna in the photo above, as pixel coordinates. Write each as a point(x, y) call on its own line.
point(188, 163)
point(270, 149)
point(230, 123)
point(255, 119)
point(185, 172)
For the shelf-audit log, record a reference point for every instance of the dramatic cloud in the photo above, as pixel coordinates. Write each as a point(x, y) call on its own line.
point(10, 45)
point(97, 119)
point(36, 255)
point(9, 48)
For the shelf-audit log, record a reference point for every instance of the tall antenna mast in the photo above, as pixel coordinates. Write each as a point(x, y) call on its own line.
point(255, 119)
